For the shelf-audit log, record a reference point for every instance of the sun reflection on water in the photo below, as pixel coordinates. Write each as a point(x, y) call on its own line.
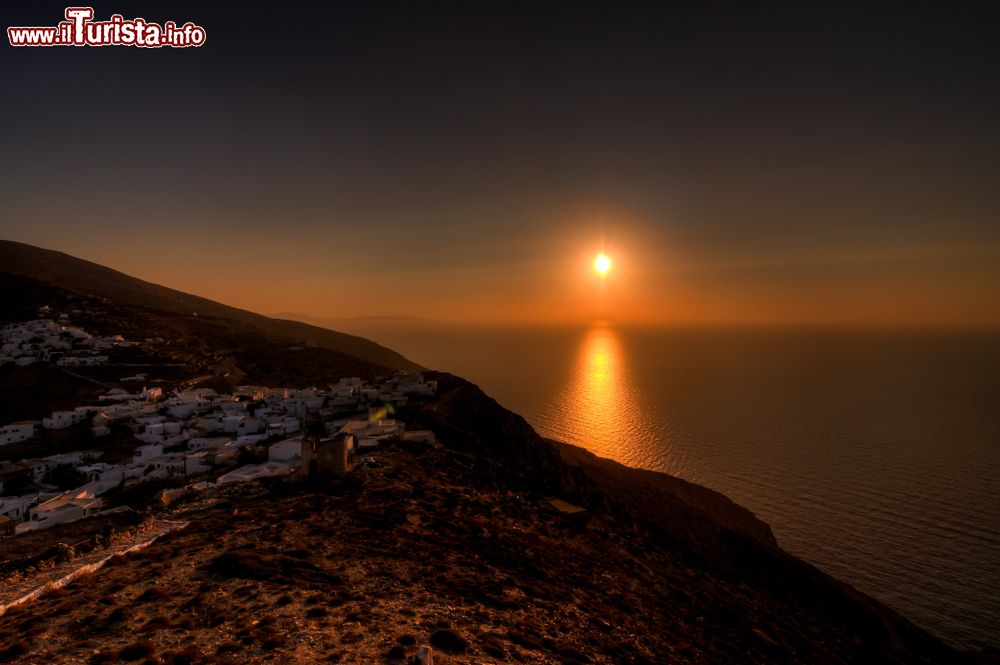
point(600, 405)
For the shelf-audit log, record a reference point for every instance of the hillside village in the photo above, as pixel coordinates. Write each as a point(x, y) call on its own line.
point(46, 340)
point(189, 438)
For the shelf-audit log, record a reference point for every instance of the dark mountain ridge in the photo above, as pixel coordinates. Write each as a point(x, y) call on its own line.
point(75, 274)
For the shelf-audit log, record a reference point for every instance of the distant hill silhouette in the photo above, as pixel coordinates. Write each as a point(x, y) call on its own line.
point(360, 322)
point(68, 272)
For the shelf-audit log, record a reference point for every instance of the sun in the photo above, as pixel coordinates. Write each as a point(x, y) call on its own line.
point(602, 264)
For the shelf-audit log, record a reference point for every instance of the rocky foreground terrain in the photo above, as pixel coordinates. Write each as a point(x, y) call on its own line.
point(460, 546)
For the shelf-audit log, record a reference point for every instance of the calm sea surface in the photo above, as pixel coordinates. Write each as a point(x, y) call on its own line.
point(873, 455)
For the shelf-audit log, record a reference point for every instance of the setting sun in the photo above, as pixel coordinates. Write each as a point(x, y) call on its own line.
point(602, 264)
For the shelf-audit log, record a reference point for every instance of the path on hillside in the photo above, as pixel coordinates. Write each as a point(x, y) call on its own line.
point(63, 573)
point(87, 378)
point(191, 383)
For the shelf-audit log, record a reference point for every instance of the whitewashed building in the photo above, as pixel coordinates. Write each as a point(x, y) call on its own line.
point(169, 465)
point(144, 454)
point(64, 419)
point(102, 471)
point(17, 507)
point(16, 432)
point(67, 507)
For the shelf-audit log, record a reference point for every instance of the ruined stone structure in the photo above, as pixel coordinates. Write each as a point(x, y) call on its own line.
point(326, 457)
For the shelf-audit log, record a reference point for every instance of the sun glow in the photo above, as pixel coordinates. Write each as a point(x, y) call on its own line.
point(602, 264)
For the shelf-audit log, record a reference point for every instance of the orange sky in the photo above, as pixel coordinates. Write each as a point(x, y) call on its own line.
point(545, 275)
point(815, 163)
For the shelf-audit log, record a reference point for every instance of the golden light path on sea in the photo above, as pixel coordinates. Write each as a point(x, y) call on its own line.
point(600, 407)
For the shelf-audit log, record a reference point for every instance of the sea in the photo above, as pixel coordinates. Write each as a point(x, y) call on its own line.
point(873, 454)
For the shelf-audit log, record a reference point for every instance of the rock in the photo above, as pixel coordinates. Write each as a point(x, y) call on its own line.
point(448, 640)
point(395, 654)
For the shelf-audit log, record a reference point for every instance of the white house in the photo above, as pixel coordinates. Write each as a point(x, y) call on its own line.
point(170, 465)
point(144, 454)
point(152, 433)
point(17, 507)
point(16, 432)
point(64, 419)
point(211, 442)
point(67, 507)
point(101, 471)
point(413, 384)
point(75, 458)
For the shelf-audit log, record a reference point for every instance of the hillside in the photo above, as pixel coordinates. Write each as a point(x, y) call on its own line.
point(459, 545)
point(493, 545)
point(67, 272)
point(170, 349)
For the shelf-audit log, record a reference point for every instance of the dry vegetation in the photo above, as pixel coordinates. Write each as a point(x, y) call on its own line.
point(417, 547)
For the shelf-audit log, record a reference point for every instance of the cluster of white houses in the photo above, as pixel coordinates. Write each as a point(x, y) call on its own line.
point(198, 433)
point(46, 340)
point(17, 432)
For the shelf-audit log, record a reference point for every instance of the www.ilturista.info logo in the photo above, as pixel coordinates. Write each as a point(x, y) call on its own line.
point(79, 29)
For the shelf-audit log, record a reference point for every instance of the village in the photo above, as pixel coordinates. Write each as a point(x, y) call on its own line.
point(188, 439)
point(47, 340)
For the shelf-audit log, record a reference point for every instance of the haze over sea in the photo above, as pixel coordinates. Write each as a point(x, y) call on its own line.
point(872, 454)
